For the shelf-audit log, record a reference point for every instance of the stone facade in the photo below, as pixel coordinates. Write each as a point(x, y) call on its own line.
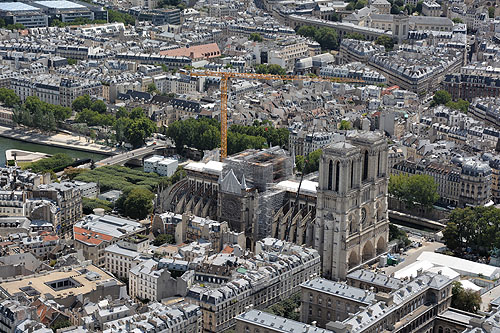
point(351, 218)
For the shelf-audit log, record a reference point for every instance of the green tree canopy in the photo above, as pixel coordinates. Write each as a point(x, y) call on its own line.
point(152, 88)
point(326, 37)
point(256, 37)
point(163, 239)
point(345, 125)
point(491, 12)
point(116, 16)
point(386, 42)
point(465, 299)
point(441, 97)
point(457, 20)
point(9, 98)
point(259, 135)
point(460, 105)
point(355, 35)
point(398, 234)
point(56, 162)
point(81, 102)
point(98, 106)
point(414, 189)
point(270, 69)
point(475, 227)
point(310, 163)
point(136, 203)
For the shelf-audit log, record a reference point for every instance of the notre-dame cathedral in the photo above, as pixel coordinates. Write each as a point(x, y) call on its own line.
point(352, 225)
point(342, 213)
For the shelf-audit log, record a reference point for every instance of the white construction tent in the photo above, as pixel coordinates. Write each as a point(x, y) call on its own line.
point(462, 266)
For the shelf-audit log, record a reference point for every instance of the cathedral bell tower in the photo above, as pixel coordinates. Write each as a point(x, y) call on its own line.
point(351, 220)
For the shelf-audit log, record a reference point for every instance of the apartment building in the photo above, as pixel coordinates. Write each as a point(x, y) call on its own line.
point(324, 300)
point(94, 233)
point(182, 317)
point(152, 280)
point(420, 305)
point(271, 281)
point(375, 282)
point(473, 81)
point(68, 199)
point(125, 254)
point(18, 12)
point(418, 69)
point(53, 89)
point(461, 183)
point(353, 50)
point(161, 165)
point(431, 8)
point(13, 203)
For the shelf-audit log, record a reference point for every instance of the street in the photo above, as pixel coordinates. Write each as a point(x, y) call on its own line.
point(411, 255)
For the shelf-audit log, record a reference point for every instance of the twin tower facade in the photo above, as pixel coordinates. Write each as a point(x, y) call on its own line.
point(352, 226)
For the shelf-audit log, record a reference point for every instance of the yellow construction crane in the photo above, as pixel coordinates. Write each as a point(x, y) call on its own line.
point(225, 76)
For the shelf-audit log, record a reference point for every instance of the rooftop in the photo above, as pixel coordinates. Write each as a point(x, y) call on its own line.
point(59, 4)
point(84, 280)
point(16, 7)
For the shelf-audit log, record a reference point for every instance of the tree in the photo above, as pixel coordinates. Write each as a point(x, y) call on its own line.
point(355, 35)
point(81, 102)
point(465, 299)
point(395, 10)
point(72, 61)
point(460, 105)
point(458, 20)
point(441, 97)
point(139, 130)
point(17, 26)
point(477, 228)
point(345, 125)
point(60, 324)
point(307, 31)
point(98, 106)
point(270, 69)
point(152, 88)
point(116, 16)
point(256, 37)
point(386, 42)
point(162, 239)
point(398, 234)
point(312, 161)
point(418, 9)
point(287, 308)
point(299, 163)
point(327, 38)
point(9, 98)
point(451, 236)
point(414, 190)
point(491, 12)
point(136, 203)
point(56, 162)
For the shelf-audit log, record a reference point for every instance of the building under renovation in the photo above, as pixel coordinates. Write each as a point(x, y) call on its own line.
point(342, 212)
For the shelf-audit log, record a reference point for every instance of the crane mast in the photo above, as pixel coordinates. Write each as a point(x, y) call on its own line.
point(225, 76)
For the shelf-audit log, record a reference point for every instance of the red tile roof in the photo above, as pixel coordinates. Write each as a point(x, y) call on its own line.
point(90, 237)
point(195, 52)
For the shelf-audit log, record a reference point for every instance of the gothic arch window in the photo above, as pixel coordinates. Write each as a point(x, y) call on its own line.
point(365, 165)
point(337, 175)
point(378, 162)
point(352, 174)
point(330, 174)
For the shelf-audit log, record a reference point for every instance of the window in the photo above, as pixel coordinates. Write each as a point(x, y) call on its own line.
point(330, 172)
point(365, 166)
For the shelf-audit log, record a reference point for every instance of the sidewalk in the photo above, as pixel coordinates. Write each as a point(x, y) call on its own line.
point(57, 140)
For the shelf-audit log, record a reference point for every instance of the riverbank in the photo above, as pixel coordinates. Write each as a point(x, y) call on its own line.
point(59, 140)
